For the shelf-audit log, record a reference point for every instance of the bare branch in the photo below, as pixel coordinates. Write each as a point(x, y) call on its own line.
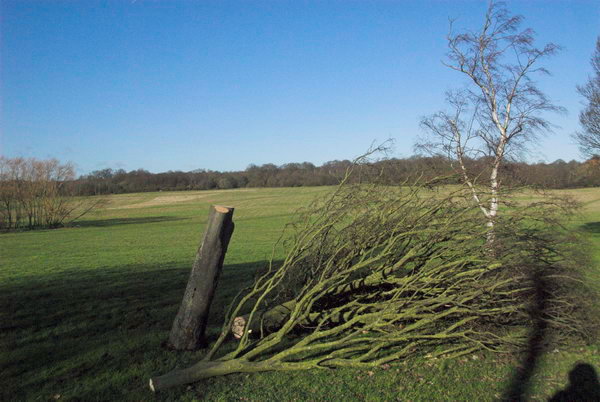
point(589, 118)
point(502, 109)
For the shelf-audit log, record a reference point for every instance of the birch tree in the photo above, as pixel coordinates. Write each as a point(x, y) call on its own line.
point(500, 109)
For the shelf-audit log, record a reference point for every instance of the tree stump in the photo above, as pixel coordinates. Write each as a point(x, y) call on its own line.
point(188, 328)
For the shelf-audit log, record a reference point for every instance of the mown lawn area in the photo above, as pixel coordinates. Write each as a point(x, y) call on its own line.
point(84, 310)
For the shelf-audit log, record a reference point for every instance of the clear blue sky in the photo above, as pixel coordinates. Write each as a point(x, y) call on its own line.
point(181, 85)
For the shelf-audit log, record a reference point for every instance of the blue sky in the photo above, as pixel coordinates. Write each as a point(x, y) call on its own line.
point(181, 85)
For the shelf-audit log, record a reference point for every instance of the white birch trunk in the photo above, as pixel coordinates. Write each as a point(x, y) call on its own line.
point(493, 209)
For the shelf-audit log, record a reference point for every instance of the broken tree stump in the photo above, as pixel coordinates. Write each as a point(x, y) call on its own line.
point(188, 328)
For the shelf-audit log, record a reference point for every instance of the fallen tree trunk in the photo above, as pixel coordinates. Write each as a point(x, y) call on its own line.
point(202, 370)
point(187, 332)
point(272, 319)
point(207, 369)
point(376, 274)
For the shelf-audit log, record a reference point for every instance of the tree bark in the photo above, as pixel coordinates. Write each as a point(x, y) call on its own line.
point(204, 369)
point(188, 328)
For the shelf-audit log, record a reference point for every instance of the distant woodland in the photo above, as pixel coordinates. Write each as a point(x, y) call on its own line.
point(555, 175)
point(45, 193)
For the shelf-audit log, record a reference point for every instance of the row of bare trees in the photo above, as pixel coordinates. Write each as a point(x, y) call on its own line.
point(37, 193)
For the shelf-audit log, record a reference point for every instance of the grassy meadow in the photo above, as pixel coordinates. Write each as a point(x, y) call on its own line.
point(84, 310)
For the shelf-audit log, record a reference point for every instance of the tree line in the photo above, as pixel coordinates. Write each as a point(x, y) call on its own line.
point(43, 193)
point(556, 175)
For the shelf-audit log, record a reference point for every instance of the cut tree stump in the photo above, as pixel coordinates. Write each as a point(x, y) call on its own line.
point(188, 328)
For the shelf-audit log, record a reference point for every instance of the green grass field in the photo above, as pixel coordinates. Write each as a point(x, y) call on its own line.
point(84, 310)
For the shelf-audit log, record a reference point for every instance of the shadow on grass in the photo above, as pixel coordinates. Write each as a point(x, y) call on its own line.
point(123, 221)
point(583, 385)
point(591, 227)
point(64, 331)
point(520, 383)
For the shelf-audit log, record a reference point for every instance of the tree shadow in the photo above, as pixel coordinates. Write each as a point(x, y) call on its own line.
point(520, 383)
point(123, 221)
point(591, 227)
point(61, 330)
point(583, 385)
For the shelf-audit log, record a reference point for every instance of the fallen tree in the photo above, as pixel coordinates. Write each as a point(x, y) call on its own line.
point(373, 274)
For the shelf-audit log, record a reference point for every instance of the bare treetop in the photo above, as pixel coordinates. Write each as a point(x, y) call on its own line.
point(589, 118)
point(501, 108)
